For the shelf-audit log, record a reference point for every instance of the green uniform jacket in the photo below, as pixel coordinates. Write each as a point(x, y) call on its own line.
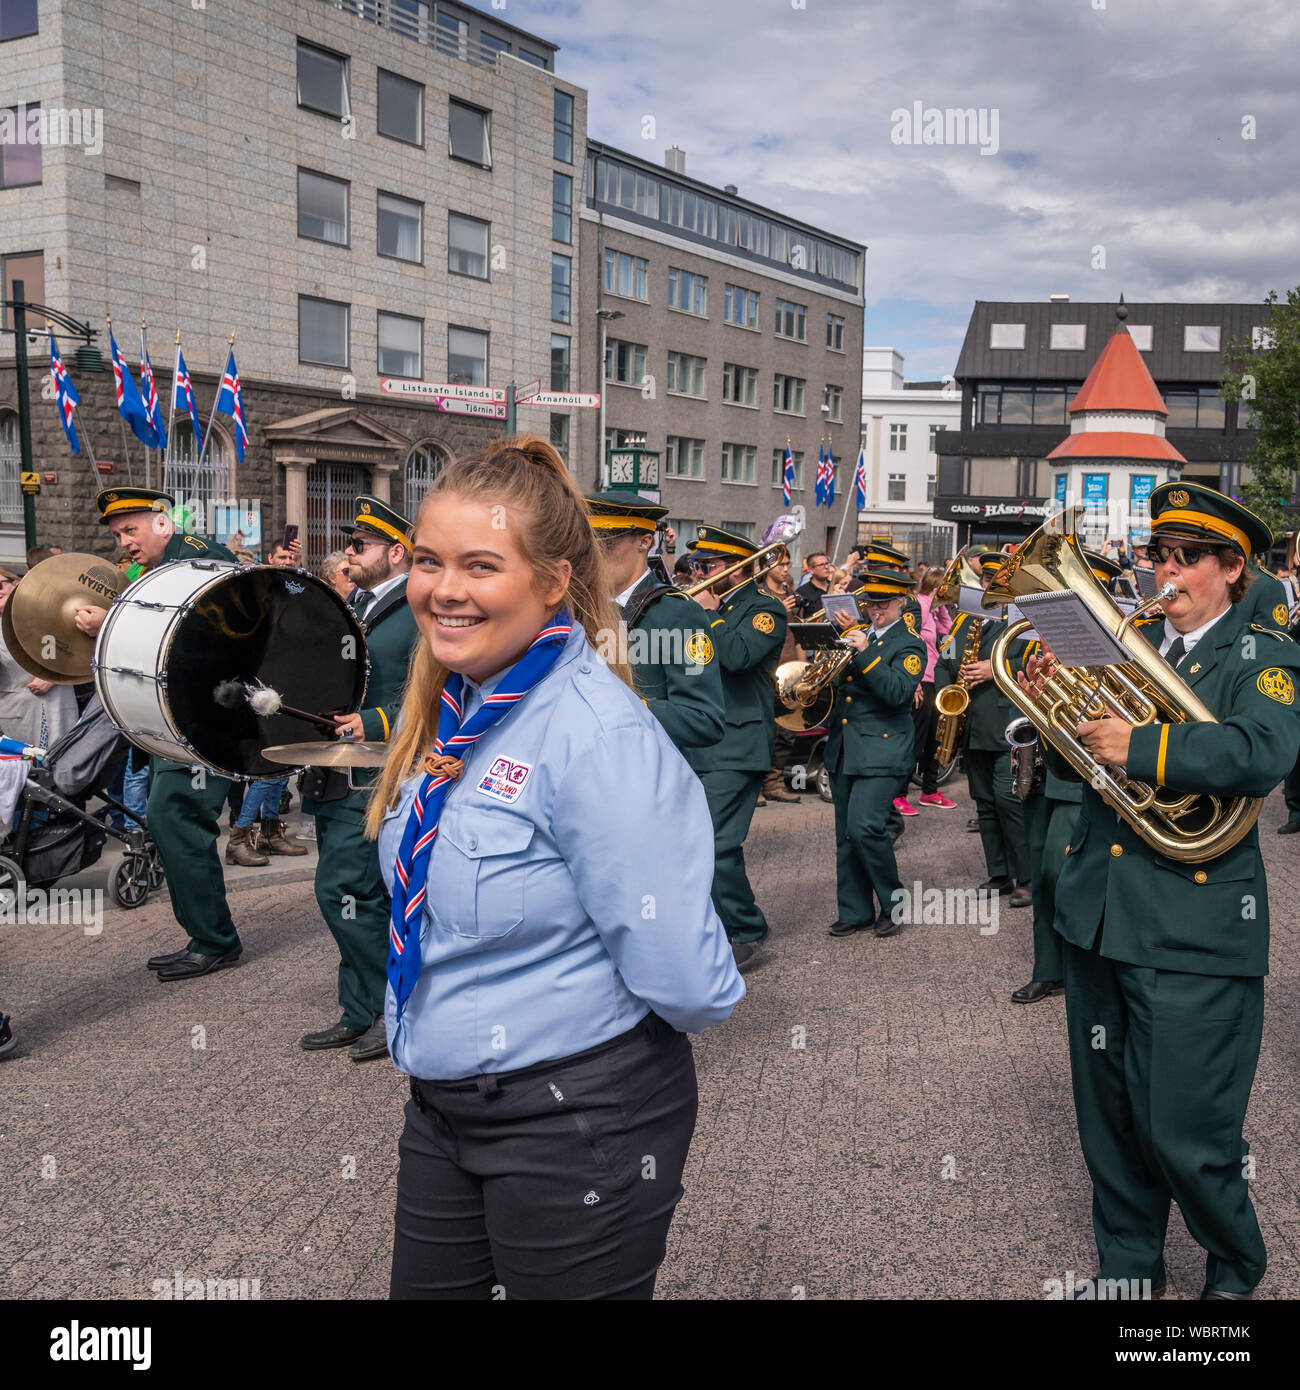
point(748, 632)
point(390, 635)
point(1265, 601)
point(989, 711)
point(871, 730)
point(182, 547)
point(1209, 918)
point(674, 665)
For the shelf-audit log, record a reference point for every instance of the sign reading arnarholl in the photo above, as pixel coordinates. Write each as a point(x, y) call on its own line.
point(440, 390)
point(566, 400)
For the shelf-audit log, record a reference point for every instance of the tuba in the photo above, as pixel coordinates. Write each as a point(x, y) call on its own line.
point(1144, 689)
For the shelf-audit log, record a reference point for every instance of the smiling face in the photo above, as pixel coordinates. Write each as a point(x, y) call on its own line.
point(1202, 588)
point(474, 595)
point(144, 535)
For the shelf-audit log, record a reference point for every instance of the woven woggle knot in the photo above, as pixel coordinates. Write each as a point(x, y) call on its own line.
point(441, 765)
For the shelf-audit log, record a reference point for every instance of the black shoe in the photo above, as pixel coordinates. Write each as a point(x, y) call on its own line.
point(1001, 886)
point(899, 833)
point(886, 926)
point(1292, 827)
point(189, 965)
point(371, 1044)
point(847, 928)
point(1209, 1295)
point(157, 962)
point(973, 824)
point(1022, 897)
point(340, 1035)
point(7, 1039)
point(1036, 990)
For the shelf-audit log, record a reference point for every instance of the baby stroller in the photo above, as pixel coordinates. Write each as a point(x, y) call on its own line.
point(54, 835)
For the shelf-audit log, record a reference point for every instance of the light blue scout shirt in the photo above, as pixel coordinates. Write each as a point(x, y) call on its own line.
point(568, 888)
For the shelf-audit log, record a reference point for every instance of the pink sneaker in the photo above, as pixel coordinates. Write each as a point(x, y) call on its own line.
point(904, 807)
point(938, 799)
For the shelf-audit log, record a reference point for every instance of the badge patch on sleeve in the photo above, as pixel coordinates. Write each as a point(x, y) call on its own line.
point(1277, 685)
point(699, 650)
point(504, 780)
point(1280, 615)
point(912, 665)
point(764, 622)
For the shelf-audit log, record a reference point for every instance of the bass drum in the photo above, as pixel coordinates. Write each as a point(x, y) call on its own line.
point(179, 631)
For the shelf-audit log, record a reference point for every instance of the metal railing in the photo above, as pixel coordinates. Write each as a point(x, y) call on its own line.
point(420, 22)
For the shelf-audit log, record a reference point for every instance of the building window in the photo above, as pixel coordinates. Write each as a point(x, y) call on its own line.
point(17, 19)
point(560, 436)
point(467, 246)
point(740, 385)
point(1008, 336)
point(835, 332)
point(1261, 337)
point(1068, 337)
point(683, 458)
point(11, 468)
point(399, 228)
point(20, 146)
point(560, 354)
point(401, 346)
point(686, 530)
point(561, 288)
point(1201, 337)
point(740, 528)
point(452, 35)
point(625, 362)
point(535, 59)
point(29, 267)
point(896, 487)
point(322, 81)
point(467, 357)
point(778, 469)
point(563, 148)
point(738, 465)
point(1141, 335)
point(688, 292)
point(423, 464)
point(401, 108)
point(897, 439)
point(204, 484)
point(934, 438)
point(492, 47)
point(323, 332)
point(792, 321)
point(1023, 405)
point(470, 138)
point(929, 487)
point(835, 404)
point(322, 208)
point(787, 394)
point(686, 374)
point(561, 207)
point(740, 306)
point(1204, 409)
point(626, 275)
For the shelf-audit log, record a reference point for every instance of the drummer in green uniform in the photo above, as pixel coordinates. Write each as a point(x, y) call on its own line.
point(184, 806)
point(869, 748)
point(1165, 958)
point(748, 632)
point(670, 652)
point(350, 888)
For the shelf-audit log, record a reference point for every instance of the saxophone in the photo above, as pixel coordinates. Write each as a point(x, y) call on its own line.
point(952, 701)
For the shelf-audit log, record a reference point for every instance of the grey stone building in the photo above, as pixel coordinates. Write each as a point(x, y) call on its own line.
point(726, 329)
point(357, 189)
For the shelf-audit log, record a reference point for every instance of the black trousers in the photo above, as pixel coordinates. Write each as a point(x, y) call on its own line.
point(558, 1181)
point(925, 720)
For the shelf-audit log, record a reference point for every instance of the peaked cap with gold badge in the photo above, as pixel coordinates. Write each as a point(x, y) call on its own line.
point(382, 520)
point(1189, 512)
point(117, 501)
point(615, 514)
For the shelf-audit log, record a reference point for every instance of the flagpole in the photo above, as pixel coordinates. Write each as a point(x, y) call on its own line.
point(176, 371)
point(207, 434)
point(849, 494)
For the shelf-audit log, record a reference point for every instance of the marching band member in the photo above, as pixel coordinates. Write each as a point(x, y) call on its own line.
point(184, 819)
point(869, 748)
point(552, 938)
point(351, 892)
point(1164, 960)
point(748, 633)
point(676, 675)
point(988, 759)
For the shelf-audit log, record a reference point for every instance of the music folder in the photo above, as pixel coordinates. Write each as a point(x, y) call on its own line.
point(813, 635)
point(1068, 626)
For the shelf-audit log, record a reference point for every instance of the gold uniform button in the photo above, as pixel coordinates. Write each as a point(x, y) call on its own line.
point(848, 699)
point(1200, 876)
point(844, 721)
point(884, 735)
point(1117, 850)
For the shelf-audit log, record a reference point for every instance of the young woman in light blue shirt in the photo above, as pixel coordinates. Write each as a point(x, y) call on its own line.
point(553, 938)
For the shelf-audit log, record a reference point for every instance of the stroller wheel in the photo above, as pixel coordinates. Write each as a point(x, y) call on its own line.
point(156, 875)
point(11, 883)
point(129, 886)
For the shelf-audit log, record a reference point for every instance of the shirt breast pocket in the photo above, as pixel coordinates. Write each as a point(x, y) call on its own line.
point(479, 880)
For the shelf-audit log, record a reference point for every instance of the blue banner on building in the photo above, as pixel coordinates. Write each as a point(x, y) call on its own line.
point(1061, 480)
point(1094, 500)
point(1140, 490)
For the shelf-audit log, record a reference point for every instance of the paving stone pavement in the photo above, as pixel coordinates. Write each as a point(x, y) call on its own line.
point(877, 1120)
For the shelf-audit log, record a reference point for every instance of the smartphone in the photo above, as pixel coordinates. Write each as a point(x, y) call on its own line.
point(290, 535)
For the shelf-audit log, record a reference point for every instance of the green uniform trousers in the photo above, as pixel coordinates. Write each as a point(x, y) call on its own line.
point(732, 797)
point(184, 821)
point(353, 900)
point(1048, 823)
point(1001, 814)
point(1160, 1096)
point(865, 866)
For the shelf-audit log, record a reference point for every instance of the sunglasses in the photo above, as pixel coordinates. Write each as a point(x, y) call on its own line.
point(362, 543)
point(1186, 555)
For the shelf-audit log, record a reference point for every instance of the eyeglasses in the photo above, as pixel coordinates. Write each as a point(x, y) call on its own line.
point(361, 543)
point(1186, 555)
point(877, 602)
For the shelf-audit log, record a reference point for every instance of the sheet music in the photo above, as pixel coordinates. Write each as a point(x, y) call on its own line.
point(841, 603)
point(1069, 628)
point(1146, 582)
point(1014, 615)
point(971, 602)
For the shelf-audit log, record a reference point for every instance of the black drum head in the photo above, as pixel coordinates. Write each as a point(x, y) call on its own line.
point(281, 628)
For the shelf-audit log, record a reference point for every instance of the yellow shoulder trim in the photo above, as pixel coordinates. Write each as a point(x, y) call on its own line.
point(384, 720)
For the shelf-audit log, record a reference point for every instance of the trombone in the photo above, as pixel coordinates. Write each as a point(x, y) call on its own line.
point(776, 540)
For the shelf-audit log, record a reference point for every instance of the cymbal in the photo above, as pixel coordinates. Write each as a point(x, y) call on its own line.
point(44, 608)
point(32, 667)
point(330, 753)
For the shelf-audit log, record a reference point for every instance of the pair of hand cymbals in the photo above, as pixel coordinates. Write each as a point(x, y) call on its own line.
point(341, 753)
point(40, 619)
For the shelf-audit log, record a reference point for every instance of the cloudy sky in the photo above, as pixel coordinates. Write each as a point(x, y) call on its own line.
point(1119, 125)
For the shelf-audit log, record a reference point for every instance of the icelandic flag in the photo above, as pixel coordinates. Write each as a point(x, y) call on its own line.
point(65, 394)
point(149, 392)
point(129, 404)
point(819, 490)
point(183, 395)
point(787, 477)
point(230, 401)
point(830, 475)
point(860, 480)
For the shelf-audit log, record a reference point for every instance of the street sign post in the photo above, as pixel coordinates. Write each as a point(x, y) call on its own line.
point(526, 393)
point(442, 390)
